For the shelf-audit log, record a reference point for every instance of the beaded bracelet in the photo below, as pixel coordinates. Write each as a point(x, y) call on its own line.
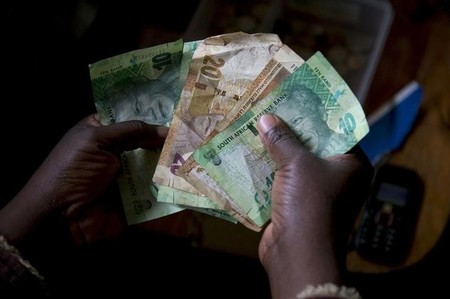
point(4, 245)
point(329, 289)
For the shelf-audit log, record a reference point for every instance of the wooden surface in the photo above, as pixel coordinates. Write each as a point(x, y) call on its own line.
point(427, 148)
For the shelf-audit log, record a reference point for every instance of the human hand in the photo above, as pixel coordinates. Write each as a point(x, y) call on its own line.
point(80, 168)
point(314, 205)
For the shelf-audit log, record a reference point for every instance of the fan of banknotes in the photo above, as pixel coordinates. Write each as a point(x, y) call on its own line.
point(211, 93)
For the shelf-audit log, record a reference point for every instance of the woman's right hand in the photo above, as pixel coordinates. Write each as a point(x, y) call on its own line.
point(315, 202)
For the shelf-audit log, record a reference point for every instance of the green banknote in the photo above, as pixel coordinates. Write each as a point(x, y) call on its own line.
point(141, 85)
point(144, 84)
point(317, 105)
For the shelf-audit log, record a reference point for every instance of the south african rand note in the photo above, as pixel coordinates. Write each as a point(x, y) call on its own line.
point(196, 202)
point(144, 84)
point(279, 67)
point(221, 70)
point(141, 85)
point(284, 62)
point(317, 105)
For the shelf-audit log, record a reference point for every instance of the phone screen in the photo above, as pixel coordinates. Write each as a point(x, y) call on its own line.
point(393, 194)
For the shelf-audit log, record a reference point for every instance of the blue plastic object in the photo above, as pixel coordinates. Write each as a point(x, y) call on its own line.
point(392, 122)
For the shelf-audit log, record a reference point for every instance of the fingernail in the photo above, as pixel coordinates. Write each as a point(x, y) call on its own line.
point(266, 123)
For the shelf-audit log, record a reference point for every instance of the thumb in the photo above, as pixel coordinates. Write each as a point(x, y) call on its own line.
point(279, 140)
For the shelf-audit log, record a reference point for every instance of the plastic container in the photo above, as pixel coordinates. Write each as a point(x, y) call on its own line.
point(350, 33)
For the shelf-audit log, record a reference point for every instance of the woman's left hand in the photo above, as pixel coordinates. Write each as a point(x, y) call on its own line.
point(80, 168)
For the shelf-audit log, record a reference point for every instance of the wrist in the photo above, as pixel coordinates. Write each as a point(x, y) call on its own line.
point(302, 257)
point(24, 213)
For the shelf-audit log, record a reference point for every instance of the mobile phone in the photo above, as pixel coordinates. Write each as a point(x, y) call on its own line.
point(389, 216)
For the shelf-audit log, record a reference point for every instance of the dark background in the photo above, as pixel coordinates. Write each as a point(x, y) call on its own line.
point(46, 89)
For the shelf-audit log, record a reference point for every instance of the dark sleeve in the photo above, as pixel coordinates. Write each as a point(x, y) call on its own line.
point(18, 278)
